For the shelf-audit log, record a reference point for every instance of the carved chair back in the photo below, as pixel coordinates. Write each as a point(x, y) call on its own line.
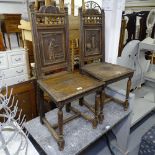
point(92, 27)
point(51, 40)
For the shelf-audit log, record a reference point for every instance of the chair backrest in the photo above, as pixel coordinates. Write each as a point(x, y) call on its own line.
point(92, 27)
point(50, 40)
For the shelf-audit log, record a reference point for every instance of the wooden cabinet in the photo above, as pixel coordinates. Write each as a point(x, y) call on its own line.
point(9, 24)
point(26, 94)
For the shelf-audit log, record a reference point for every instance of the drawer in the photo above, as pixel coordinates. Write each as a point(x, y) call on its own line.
point(16, 59)
point(12, 28)
point(3, 61)
point(14, 80)
point(12, 72)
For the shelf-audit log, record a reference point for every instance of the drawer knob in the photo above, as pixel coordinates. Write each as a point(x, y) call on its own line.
point(20, 71)
point(2, 75)
point(21, 80)
point(17, 59)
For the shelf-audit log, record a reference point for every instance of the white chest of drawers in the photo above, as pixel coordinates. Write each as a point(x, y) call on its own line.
point(14, 66)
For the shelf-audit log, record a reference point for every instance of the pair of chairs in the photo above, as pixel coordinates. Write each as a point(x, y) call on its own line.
point(52, 58)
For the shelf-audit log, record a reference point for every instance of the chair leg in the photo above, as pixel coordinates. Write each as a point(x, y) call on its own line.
point(81, 101)
point(17, 38)
point(68, 107)
point(154, 95)
point(97, 106)
point(40, 102)
point(101, 115)
point(4, 40)
point(8, 36)
point(61, 141)
point(126, 103)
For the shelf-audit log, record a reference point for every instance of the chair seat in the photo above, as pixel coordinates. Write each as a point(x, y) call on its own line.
point(150, 76)
point(67, 85)
point(107, 72)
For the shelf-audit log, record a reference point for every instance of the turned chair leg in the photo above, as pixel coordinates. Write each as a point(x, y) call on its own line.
point(97, 105)
point(61, 141)
point(126, 103)
point(81, 101)
point(154, 95)
point(68, 107)
point(101, 115)
point(40, 101)
point(8, 36)
point(4, 40)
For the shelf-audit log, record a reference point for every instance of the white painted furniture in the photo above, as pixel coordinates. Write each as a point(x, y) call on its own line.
point(14, 66)
point(149, 45)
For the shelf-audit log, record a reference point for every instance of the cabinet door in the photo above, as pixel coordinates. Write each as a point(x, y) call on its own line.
point(3, 61)
point(26, 94)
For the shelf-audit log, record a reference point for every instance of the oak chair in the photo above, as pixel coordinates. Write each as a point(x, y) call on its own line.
point(51, 51)
point(92, 49)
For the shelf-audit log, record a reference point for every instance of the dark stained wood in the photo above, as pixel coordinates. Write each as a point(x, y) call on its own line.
point(9, 24)
point(40, 98)
point(107, 72)
point(51, 50)
point(122, 36)
point(101, 115)
point(61, 141)
point(2, 48)
point(68, 85)
point(92, 46)
point(126, 104)
point(52, 59)
point(68, 107)
point(97, 106)
point(25, 93)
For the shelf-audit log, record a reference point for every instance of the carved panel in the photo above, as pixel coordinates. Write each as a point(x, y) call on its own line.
point(52, 47)
point(49, 20)
point(92, 42)
point(92, 19)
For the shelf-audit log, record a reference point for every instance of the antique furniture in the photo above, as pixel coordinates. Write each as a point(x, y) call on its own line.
point(9, 25)
point(25, 92)
point(51, 50)
point(122, 36)
point(25, 27)
point(79, 133)
point(129, 58)
point(13, 66)
point(147, 44)
point(92, 46)
point(2, 48)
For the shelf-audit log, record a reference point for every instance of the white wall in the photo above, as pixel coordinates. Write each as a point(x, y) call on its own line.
point(113, 15)
point(8, 7)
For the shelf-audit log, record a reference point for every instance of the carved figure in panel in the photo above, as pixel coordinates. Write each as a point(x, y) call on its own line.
point(93, 45)
point(53, 44)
